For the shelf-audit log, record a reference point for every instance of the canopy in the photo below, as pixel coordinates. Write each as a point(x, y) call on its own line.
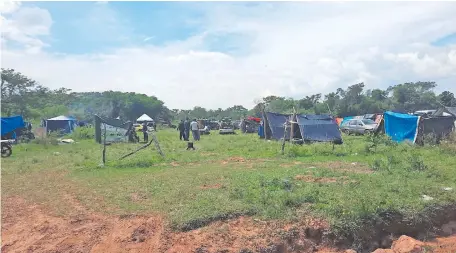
point(144, 118)
point(318, 128)
point(400, 126)
point(10, 124)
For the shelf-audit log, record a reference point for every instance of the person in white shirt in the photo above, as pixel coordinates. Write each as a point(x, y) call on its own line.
point(195, 130)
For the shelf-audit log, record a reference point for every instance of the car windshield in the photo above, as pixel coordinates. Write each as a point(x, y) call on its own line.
point(368, 121)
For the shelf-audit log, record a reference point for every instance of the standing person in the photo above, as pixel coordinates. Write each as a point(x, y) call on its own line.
point(195, 130)
point(144, 130)
point(187, 129)
point(181, 129)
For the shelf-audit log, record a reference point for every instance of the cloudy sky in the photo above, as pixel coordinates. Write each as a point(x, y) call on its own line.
point(220, 54)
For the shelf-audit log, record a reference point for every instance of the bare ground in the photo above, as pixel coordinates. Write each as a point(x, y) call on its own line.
point(28, 227)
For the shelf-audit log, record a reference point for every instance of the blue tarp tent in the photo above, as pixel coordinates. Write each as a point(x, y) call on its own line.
point(276, 123)
point(401, 127)
point(61, 123)
point(318, 128)
point(9, 124)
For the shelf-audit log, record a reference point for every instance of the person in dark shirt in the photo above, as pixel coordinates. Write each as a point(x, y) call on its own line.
point(187, 129)
point(144, 130)
point(181, 129)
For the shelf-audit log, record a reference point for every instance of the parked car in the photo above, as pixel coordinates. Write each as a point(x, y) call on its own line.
point(138, 127)
point(358, 126)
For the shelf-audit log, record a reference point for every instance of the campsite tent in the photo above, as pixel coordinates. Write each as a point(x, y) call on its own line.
point(10, 124)
point(318, 128)
point(144, 118)
point(62, 123)
point(304, 127)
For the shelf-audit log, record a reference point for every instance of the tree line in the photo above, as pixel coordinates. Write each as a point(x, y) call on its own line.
point(24, 96)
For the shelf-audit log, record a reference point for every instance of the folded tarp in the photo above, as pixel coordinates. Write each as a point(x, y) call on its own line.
point(319, 128)
point(9, 124)
point(401, 127)
point(276, 122)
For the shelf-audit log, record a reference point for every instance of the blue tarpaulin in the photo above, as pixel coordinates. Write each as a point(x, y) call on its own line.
point(401, 127)
point(276, 123)
point(345, 120)
point(318, 128)
point(10, 124)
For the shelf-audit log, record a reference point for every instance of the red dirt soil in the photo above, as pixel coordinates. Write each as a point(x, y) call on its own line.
point(30, 228)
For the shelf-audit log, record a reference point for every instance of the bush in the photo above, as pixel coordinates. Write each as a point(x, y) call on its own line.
point(416, 163)
point(374, 140)
point(50, 139)
point(83, 133)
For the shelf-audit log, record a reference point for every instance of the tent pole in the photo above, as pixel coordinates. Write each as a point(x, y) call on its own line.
point(265, 123)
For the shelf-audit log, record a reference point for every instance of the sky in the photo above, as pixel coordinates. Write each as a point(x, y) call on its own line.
point(220, 54)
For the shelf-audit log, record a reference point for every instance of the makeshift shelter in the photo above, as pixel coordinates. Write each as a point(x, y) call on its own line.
point(144, 118)
point(61, 123)
point(321, 128)
point(274, 125)
point(445, 111)
point(10, 124)
point(437, 127)
point(401, 127)
point(116, 130)
point(303, 127)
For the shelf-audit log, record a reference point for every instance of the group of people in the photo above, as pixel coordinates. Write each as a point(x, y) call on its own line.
point(185, 127)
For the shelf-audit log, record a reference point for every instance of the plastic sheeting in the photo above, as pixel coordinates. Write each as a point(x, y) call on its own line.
point(116, 129)
point(439, 126)
point(9, 124)
point(318, 128)
point(345, 120)
point(401, 127)
point(276, 123)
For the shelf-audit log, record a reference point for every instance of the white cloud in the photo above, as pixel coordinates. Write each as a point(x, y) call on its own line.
point(24, 25)
point(292, 49)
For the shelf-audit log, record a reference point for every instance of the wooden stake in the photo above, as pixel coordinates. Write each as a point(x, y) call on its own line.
point(104, 145)
point(284, 136)
point(154, 140)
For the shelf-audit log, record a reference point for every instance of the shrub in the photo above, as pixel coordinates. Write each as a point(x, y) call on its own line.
point(83, 133)
point(416, 163)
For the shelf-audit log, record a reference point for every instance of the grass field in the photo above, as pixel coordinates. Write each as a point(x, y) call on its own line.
point(229, 175)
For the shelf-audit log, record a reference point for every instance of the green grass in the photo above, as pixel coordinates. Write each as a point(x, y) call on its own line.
point(181, 186)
